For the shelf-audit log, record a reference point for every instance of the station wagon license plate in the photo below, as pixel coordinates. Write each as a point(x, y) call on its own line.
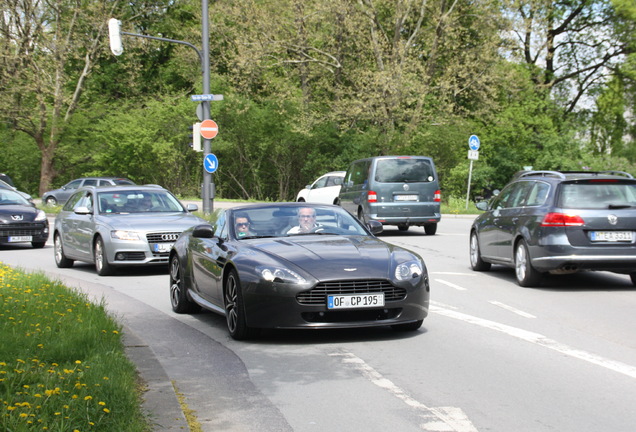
point(162, 247)
point(612, 236)
point(355, 301)
point(17, 239)
point(405, 197)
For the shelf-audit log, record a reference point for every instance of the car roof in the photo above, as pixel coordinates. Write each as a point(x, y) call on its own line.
point(149, 187)
point(573, 175)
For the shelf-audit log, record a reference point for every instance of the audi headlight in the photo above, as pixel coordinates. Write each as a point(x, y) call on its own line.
point(124, 235)
point(280, 274)
point(408, 270)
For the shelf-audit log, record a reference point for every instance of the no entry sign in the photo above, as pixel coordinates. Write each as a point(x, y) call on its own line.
point(209, 129)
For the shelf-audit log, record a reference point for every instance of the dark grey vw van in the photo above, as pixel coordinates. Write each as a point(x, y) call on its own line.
point(393, 190)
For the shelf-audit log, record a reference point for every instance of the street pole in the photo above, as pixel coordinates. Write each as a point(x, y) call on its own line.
point(207, 194)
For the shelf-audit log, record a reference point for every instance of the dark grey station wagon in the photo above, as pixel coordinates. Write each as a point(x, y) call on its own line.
point(558, 222)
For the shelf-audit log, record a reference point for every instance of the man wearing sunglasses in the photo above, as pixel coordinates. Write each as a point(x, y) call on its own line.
point(242, 224)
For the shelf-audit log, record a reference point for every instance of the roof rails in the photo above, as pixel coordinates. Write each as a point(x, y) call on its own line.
point(540, 174)
point(561, 174)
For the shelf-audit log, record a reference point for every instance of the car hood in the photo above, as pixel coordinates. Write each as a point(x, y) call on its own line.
point(28, 213)
point(333, 257)
point(152, 221)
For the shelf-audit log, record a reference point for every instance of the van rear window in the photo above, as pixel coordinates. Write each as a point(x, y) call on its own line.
point(403, 170)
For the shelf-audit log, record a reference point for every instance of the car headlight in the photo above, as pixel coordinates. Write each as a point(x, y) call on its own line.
point(408, 270)
point(40, 216)
point(280, 274)
point(124, 235)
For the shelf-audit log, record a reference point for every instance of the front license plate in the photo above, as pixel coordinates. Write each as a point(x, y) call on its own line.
point(16, 239)
point(612, 236)
point(162, 247)
point(355, 301)
point(405, 197)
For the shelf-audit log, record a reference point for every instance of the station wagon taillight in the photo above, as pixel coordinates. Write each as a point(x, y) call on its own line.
point(372, 197)
point(562, 220)
point(438, 196)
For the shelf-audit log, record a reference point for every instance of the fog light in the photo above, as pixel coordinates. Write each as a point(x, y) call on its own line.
point(120, 256)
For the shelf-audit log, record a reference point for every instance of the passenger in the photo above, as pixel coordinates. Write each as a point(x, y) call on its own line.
point(306, 222)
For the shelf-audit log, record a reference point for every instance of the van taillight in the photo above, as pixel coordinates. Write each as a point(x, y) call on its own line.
point(438, 196)
point(562, 219)
point(372, 197)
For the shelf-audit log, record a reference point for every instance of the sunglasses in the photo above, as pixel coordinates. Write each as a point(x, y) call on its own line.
point(243, 224)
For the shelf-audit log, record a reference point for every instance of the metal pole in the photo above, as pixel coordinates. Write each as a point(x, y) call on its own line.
point(470, 174)
point(208, 183)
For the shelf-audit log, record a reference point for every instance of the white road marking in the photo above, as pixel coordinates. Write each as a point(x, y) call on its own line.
point(511, 309)
point(450, 284)
point(441, 419)
point(452, 273)
point(541, 340)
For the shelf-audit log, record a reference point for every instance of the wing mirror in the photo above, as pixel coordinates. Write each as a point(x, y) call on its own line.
point(203, 231)
point(375, 227)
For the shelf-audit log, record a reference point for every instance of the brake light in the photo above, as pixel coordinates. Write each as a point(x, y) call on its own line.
point(562, 219)
point(372, 197)
point(438, 196)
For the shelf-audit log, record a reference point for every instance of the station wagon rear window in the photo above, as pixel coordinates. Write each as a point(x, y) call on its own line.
point(598, 195)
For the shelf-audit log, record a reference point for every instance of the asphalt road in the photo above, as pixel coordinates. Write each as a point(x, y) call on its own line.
point(491, 356)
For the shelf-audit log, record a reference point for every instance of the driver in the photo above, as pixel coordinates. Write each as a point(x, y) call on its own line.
point(242, 223)
point(306, 222)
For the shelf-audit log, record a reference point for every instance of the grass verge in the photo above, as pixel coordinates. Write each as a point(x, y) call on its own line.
point(62, 362)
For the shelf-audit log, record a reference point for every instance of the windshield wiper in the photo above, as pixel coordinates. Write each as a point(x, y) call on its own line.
point(619, 206)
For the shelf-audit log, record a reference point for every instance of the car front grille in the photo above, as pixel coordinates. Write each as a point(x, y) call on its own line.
point(21, 229)
point(318, 294)
point(162, 237)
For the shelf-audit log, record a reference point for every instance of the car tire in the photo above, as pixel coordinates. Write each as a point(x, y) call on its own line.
point(103, 267)
point(50, 201)
point(38, 245)
point(235, 308)
point(179, 299)
point(412, 326)
point(403, 227)
point(527, 276)
point(361, 217)
point(301, 199)
point(430, 229)
point(60, 259)
point(476, 262)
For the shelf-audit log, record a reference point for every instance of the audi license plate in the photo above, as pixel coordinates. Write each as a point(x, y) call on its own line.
point(355, 301)
point(162, 247)
point(612, 236)
point(405, 197)
point(17, 239)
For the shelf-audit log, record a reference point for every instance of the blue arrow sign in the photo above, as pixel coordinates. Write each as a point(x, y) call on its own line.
point(210, 163)
point(206, 97)
point(473, 142)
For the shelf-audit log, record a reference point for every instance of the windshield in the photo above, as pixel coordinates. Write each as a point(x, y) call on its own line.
point(138, 201)
point(11, 197)
point(283, 221)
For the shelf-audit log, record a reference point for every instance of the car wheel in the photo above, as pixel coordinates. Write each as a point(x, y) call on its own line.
point(235, 309)
point(60, 259)
point(412, 326)
point(101, 261)
point(476, 263)
point(403, 227)
point(301, 199)
point(38, 245)
point(50, 201)
point(361, 217)
point(178, 292)
point(430, 229)
point(527, 276)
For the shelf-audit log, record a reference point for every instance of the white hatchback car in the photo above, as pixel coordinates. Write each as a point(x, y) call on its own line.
point(324, 190)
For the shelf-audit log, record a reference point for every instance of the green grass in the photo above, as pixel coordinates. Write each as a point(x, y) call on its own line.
point(62, 361)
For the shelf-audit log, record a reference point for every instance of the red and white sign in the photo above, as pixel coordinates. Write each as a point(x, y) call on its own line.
point(209, 129)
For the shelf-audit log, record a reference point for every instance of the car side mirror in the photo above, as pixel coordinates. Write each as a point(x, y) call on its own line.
point(82, 210)
point(192, 207)
point(375, 227)
point(482, 205)
point(203, 231)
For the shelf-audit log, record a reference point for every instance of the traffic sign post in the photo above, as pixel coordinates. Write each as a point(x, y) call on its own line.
point(210, 163)
point(209, 129)
point(473, 154)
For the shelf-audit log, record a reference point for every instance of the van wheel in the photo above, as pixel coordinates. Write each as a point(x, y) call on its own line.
point(361, 217)
point(403, 227)
point(430, 229)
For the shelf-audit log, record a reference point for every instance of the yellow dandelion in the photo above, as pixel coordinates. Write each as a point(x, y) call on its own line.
point(106, 410)
point(78, 362)
point(101, 403)
point(88, 397)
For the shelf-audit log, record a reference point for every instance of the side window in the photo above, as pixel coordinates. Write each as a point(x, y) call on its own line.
point(320, 183)
point(520, 194)
point(104, 183)
point(220, 227)
point(360, 172)
point(74, 184)
point(90, 182)
point(72, 202)
point(503, 198)
point(334, 181)
point(538, 194)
